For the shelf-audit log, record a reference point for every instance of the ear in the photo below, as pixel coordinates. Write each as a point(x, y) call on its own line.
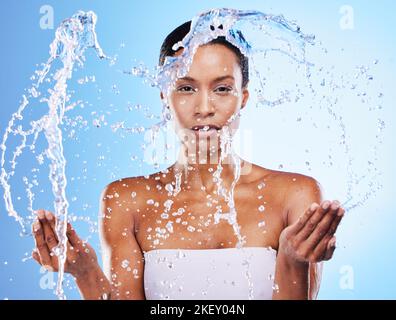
point(245, 96)
point(162, 98)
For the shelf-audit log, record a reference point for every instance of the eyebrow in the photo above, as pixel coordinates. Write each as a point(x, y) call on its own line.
point(215, 80)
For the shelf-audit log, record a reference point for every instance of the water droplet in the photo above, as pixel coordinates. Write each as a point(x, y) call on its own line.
point(164, 216)
point(34, 92)
point(180, 255)
point(261, 208)
point(169, 188)
point(125, 264)
point(169, 226)
point(275, 287)
point(381, 124)
point(168, 203)
point(261, 185)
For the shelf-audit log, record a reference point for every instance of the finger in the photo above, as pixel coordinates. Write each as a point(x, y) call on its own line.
point(336, 222)
point(51, 219)
point(330, 249)
point(312, 222)
point(36, 256)
point(302, 220)
point(49, 234)
point(319, 252)
point(52, 222)
point(72, 236)
point(41, 245)
point(324, 243)
point(323, 226)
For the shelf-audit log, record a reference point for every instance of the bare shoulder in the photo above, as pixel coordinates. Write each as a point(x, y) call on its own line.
point(294, 190)
point(300, 187)
point(300, 191)
point(120, 200)
point(126, 190)
point(296, 183)
point(290, 182)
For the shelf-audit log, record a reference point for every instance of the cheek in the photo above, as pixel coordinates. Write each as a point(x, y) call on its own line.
point(229, 104)
point(182, 107)
point(180, 102)
point(180, 112)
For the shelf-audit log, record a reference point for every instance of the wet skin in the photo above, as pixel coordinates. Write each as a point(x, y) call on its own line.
point(298, 223)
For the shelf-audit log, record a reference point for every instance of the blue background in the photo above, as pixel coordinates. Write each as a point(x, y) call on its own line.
point(367, 235)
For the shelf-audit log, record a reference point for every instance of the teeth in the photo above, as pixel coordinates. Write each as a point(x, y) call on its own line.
point(205, 128)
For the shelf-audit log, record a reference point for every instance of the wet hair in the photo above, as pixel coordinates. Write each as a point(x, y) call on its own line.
point(181, 31)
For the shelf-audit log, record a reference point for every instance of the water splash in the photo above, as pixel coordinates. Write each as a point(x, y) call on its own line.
point(72, 38)
point(266, 39)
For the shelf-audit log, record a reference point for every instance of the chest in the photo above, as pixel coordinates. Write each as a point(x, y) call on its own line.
point(197, 220)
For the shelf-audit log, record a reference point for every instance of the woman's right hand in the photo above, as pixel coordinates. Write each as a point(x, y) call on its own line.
point(80, 258)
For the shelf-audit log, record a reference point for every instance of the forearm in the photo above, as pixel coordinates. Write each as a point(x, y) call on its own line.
point(291, 279)
point(94, 285)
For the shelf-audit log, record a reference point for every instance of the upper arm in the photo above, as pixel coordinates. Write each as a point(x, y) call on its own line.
point(123, 261)
point(300, 196)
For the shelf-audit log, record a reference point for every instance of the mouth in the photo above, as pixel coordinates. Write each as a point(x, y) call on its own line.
point(207, 127)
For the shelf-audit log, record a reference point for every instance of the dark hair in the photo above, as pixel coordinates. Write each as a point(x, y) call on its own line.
point(181, 31)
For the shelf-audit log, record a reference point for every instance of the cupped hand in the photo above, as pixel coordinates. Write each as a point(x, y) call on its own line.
point(311, 238)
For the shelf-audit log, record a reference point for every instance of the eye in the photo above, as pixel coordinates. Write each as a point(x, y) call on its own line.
point(186, 88)
point(223, 89)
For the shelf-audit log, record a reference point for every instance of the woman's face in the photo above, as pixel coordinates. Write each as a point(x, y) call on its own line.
point(209, 94)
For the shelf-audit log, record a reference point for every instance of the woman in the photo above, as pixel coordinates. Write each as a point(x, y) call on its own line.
point(162, 236)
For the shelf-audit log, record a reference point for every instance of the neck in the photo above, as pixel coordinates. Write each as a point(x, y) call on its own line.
point(200, 176)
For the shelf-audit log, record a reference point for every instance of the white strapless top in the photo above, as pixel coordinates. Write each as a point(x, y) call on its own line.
point(209, 274)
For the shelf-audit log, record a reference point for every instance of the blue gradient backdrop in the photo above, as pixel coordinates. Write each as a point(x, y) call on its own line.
point(367, 234)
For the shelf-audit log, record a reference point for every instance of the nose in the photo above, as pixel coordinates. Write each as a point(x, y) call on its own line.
point(205, 106)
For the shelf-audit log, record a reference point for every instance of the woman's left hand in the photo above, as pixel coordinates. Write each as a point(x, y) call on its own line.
point(311, 238)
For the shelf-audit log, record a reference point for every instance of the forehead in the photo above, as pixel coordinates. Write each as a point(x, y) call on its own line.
point(214, 60)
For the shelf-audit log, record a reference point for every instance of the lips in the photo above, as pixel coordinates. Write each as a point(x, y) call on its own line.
point(205, 127)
